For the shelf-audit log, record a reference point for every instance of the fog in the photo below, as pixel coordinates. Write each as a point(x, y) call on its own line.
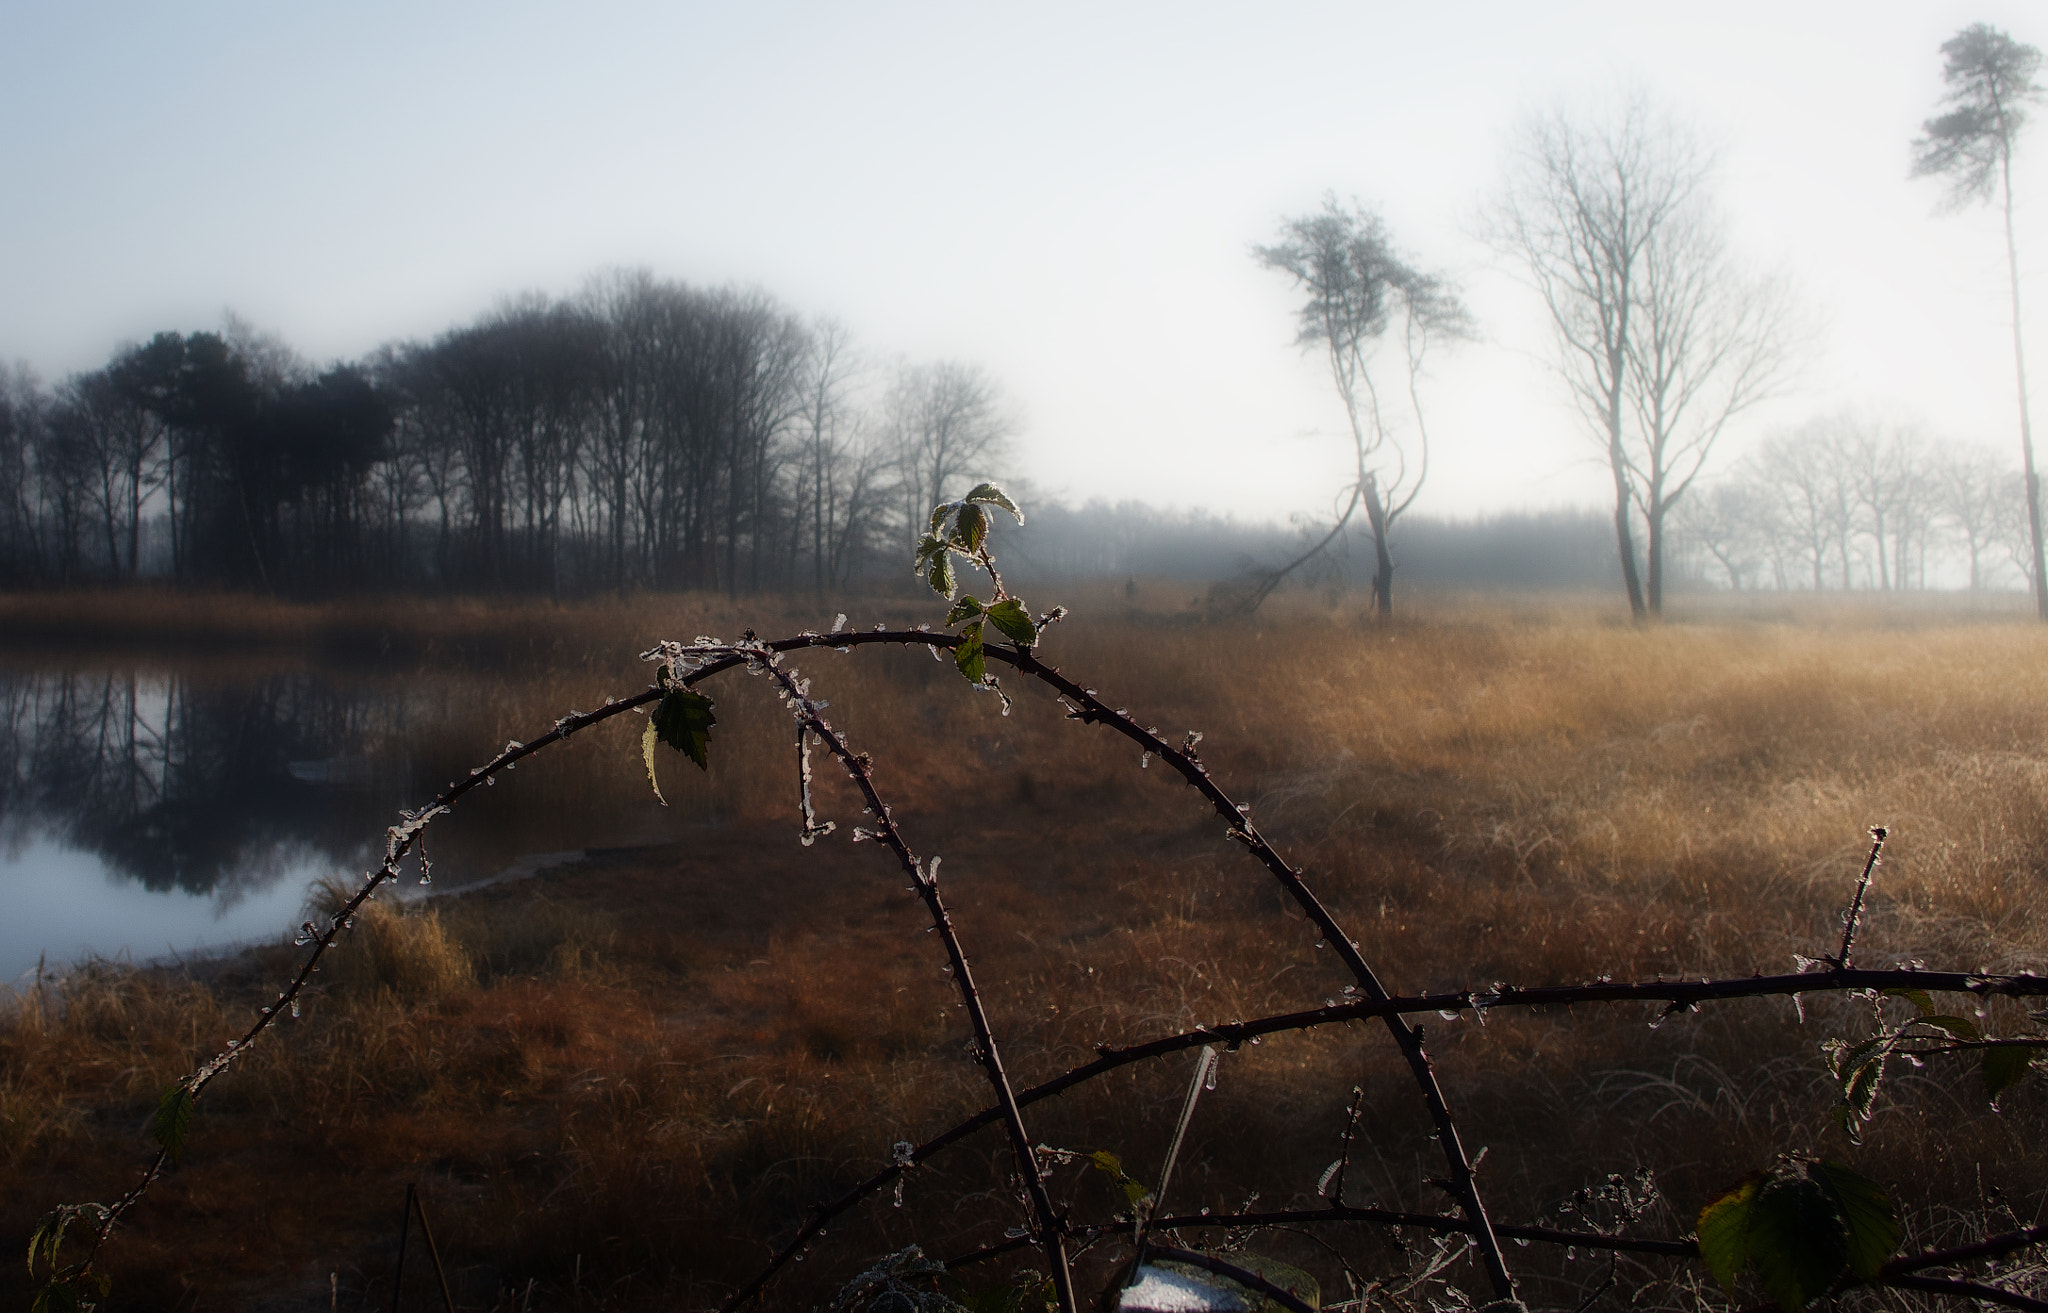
point(1065, 203)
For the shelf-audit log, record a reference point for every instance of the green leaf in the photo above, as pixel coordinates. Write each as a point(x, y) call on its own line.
point(648, 738)
point(970, 530)
point(173, 1119)
point(965, 609)
point(940, 576)
point(1724, 1231)
point(1917, 997)
point(929, 546)
point(1960, 1027)
point(1845, 1058)
point(1859, 1088)
point(1869, 1215)
point(968, 655)
point(2005, 1065)
point(939, 514)
point(683, 720)
point(1798, 1241)
point(994, 496)
point(1010, 616)
point(58, 1297)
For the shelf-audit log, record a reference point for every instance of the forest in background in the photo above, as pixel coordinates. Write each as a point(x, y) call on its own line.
point(649, 434)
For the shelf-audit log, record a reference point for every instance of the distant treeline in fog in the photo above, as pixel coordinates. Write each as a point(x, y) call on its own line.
point(650, 434)
point(642, 434)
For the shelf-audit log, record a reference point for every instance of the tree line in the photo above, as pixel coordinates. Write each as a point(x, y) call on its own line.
point(1852, 501)
point(644, 433)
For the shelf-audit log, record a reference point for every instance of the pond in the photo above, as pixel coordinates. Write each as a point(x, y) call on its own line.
point(150, 809)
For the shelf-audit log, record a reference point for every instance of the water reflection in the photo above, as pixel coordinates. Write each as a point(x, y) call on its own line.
point(187, 784)
point(145, 812)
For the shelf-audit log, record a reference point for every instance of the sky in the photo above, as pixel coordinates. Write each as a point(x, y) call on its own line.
point(1064, 194)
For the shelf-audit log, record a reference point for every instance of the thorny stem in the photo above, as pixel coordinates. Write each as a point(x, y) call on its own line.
point(1409, 1038)
point(1877, 838)
point(860, 769)
point(1350, 1132)
point(403, 838)
point(1897, 1273)
point(1234, 1033)
point(1285, 1298)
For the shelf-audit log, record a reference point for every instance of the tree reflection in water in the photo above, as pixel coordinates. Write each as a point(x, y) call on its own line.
point(205, 786)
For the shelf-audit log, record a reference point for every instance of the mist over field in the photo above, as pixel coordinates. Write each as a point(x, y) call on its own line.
point(908, 660)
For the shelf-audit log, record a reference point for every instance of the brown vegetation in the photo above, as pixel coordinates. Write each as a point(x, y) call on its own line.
point(622, 1081)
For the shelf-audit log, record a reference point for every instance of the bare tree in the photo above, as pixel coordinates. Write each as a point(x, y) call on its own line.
point(1357, 285)
point(1990, 81)
point(1808, 491)
point(1730, 522)
point(1660, 340)
point(946, 424)
point(1970, 485)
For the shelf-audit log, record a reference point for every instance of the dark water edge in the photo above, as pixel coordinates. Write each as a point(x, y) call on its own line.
point(157, 807)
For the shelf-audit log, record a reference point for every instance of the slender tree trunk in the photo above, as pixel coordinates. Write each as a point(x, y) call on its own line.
point(1654, 544)
point(2019, 359)
point(1383, 560)
point(1625, 538)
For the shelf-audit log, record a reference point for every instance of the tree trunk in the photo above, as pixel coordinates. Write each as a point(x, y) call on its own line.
point(1654, 545)
point(1383, 560)
point(2019, 360)
point(1625, 540)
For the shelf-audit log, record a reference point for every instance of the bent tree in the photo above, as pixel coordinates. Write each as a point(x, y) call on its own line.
point(1990, 81)
point(1357, 286)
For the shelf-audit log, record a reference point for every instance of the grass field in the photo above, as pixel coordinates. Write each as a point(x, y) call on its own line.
point(619, 1083)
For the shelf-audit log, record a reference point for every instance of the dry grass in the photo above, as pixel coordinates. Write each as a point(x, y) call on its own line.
point(623, 1081)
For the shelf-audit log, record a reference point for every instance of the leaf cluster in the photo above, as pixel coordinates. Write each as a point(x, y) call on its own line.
point(1803, 1227)
point(960, 528)
point(72, 1288)
point(1859, 1067)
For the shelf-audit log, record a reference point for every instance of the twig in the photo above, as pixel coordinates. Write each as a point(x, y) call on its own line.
point(1280, 1295)
point(1877, 838)
point(860, 769)
point(1967, 1290)
point(1408, 1038)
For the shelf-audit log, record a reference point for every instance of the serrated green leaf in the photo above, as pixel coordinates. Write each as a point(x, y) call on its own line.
point(965, 609)
point(1859, 1089)
point(1724, 1231)
point(939, 514)
point(2005, 1065)
point(970, 528)
point(1868, 1214)
point(1960, 1027)
point(648, 738)
point(1798, 1241)
point(968, 656)
point(173, 1119)
point(994, 496)
point(1845, 1058)
point(1919, 998)
point(58, 1297)
point(940, 576)
point(683, 720)
point(1010, 616)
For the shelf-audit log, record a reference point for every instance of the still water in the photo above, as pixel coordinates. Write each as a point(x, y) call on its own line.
point(148, 811)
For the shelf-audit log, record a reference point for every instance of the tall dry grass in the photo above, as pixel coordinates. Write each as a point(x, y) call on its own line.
point(623, 1081)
